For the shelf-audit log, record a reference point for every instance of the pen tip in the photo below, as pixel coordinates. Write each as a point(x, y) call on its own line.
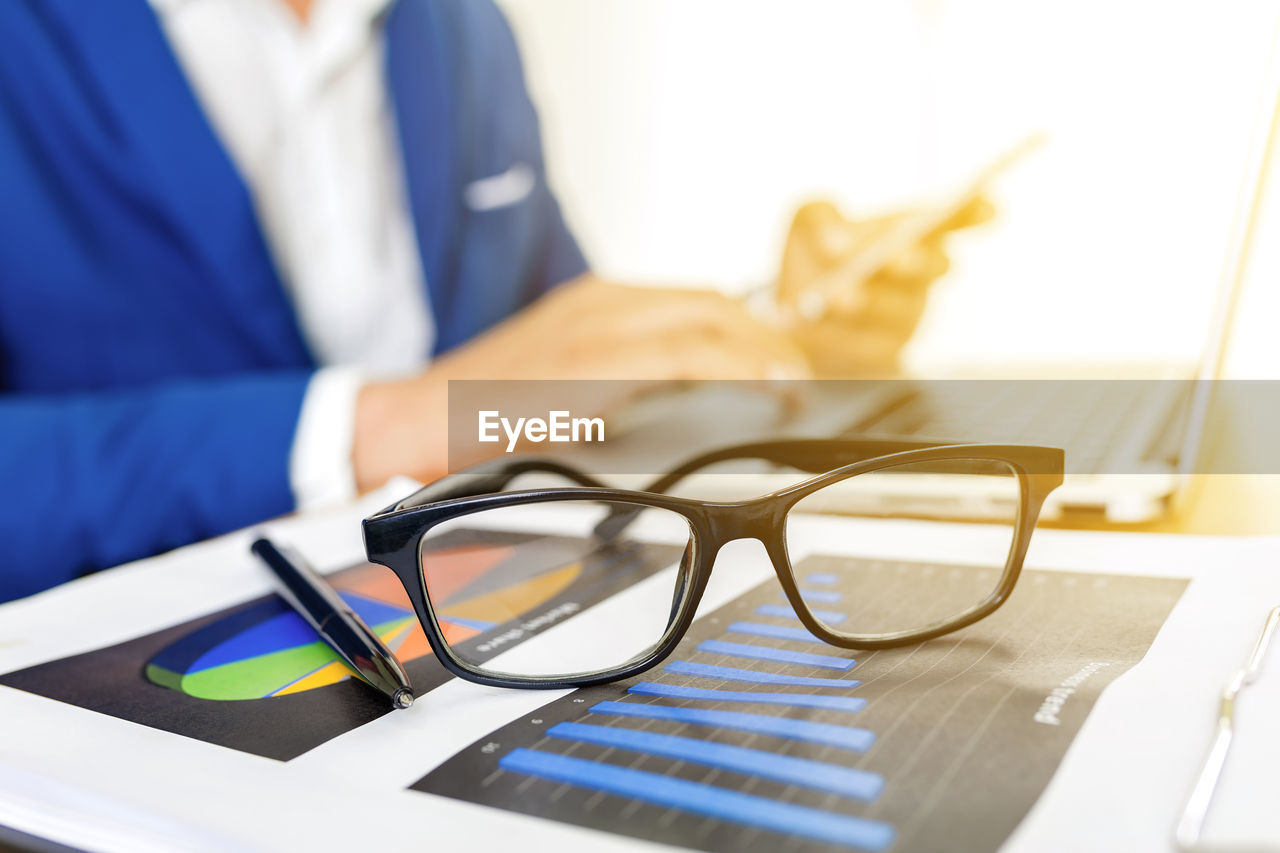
point(402, 699)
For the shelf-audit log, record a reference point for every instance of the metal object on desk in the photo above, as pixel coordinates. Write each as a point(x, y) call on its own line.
point(1191, 825)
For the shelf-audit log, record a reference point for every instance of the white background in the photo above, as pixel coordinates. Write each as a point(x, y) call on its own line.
point(681, 133)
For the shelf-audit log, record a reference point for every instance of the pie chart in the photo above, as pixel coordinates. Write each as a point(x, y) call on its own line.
point(265, 650)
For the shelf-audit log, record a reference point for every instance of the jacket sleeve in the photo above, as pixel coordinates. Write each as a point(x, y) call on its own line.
point(93, 480)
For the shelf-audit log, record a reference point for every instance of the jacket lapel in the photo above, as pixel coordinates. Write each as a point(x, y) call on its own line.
point(422, 70)
point(164, 152)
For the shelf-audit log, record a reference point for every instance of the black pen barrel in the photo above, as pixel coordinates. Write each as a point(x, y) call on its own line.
point(338, 625)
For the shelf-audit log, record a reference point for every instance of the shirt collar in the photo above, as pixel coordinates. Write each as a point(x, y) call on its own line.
point(336, 31)
point(367, 9)
point(164, 8)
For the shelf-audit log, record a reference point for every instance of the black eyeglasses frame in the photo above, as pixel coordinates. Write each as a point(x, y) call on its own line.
point(393, 535)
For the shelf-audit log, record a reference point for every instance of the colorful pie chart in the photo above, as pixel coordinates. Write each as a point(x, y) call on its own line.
point(267, 650)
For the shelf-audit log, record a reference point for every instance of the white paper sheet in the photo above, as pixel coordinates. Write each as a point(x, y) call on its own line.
point(101, 783)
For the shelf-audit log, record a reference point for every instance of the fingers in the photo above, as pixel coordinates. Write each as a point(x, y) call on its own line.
point(711, 318)
point(641, 312)
point(661, 333)
point(978, 210)
point(838, 350)
point(832, 237)
point(890, 308)
point(692, 354)
point(911, 271)
point(865, 334)
point(824, 232)
point(720, 333)
point(814, 214)
point(906, 279)
point(919, 266)
point(823, 244)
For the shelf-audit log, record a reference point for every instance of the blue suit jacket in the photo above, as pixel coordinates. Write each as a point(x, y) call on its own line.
point(151, 367)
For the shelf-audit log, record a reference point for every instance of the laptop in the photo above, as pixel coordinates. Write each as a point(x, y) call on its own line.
point(1111, 429)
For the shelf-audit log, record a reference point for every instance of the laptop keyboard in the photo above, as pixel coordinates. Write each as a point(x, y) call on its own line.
point(1088, 425)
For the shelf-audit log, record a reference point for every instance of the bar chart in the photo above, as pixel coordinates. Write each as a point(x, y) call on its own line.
point(754, 735)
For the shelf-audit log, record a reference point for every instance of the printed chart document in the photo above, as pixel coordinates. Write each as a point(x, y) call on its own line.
point(177, 703)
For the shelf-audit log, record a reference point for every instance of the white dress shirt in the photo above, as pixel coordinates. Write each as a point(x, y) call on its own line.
point(304, 112)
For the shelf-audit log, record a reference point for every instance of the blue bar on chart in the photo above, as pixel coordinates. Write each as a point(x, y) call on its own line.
point(706, 800)
point(729, 673)
point(784, 611)
point(821, 579)
point(822, 596)
point(786, 769)
point(777, 632)
point(744, 650)
point(826, 734)
point(851, 704)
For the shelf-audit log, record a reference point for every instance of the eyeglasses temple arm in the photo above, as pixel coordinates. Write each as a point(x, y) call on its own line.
point(490, 477)
point(812, 455)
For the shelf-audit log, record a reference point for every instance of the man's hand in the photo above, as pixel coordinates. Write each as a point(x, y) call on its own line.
point(866, 325)
point(585, 329)
point(591, 329)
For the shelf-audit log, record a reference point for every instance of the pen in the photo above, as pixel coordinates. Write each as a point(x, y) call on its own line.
point(336, 623)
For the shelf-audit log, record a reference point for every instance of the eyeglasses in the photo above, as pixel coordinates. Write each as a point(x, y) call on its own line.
point(573, 586)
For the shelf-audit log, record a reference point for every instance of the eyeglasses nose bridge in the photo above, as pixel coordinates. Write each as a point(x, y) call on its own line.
point(760, 518)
